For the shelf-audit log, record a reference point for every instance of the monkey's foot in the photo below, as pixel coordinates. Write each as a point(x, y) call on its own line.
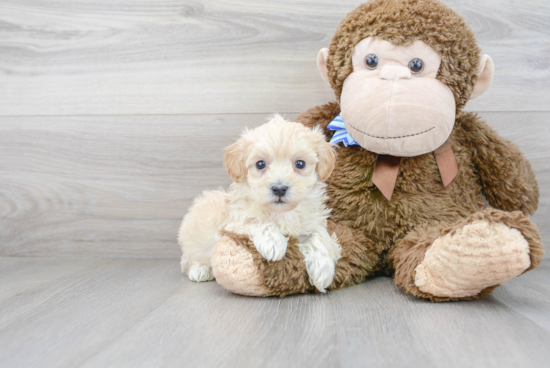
point(235, 268)
point(467, 259)
point(472, 258)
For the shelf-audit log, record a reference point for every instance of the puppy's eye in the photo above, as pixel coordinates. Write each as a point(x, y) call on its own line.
point(300, 164)
point(260, 165)
point(371, 61)
point(416, 66)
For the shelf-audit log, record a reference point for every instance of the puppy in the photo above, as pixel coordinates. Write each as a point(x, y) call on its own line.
point(278, 171)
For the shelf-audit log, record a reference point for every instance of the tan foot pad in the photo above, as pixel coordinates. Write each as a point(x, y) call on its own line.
point(474, 257)
point(235, 270)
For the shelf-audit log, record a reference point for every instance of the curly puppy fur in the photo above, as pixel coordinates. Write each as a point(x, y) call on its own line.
point(256, 206)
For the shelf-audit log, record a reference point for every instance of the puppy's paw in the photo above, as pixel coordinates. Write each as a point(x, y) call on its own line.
point(270, 243)
point(320, 256)
point(321, 271)
point(200, 273)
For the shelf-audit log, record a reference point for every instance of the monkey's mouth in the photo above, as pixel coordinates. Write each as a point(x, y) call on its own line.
point(397, 137)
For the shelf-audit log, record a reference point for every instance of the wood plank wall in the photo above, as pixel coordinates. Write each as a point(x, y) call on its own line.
point(114, 114)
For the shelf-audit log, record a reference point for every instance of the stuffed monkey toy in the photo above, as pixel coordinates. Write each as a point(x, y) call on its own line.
point(406, 189)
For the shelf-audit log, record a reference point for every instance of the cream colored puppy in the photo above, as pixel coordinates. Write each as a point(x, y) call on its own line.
point(278, 171)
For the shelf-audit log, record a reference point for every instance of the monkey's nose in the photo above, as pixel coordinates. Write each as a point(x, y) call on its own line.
point(279, 190)
point(395, 72)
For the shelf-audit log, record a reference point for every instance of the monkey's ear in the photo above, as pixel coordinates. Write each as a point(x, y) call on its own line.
point(484, 75)
point(327, 159)
point(322, 63)
point(234, 161)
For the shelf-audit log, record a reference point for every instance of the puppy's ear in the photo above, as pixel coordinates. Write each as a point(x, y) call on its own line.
point(234, 161)
point(327, 159)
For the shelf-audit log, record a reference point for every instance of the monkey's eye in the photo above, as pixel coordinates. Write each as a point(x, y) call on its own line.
point(300, 164)
point(416, 66)
point(371, 61)
point(260, 165)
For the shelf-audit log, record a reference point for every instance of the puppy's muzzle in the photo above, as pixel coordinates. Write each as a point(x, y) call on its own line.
point(279, 190)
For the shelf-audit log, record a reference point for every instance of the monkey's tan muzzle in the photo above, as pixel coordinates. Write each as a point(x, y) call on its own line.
point(398, 114)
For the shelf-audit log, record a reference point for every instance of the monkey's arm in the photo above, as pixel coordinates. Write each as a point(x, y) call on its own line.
point(320, 115)
point(507, 178)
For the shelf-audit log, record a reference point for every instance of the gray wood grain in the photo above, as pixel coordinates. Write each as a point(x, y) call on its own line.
point(379, 326)
point(89, 309)
point(111, 185)
point(143, 313)
point(23, 275)
point(119, 186)
point(529, 295)
point(90, 57)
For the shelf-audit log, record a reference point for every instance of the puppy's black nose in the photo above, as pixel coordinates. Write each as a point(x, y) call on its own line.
point(279, 190)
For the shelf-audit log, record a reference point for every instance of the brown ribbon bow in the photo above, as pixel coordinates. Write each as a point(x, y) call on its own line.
point(387, 168)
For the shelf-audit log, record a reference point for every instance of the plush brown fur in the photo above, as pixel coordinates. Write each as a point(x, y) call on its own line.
point(360, 257)
point(381, 236)
point(419, 196)
point(420, 201)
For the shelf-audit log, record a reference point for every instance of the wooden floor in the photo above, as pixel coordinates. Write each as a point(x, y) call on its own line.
point(98, 312)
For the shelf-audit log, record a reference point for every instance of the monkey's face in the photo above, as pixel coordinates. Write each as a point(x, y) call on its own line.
point(392, 102)
point(400, 100)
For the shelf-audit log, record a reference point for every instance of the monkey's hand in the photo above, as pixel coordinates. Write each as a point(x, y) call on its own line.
point(506, 176)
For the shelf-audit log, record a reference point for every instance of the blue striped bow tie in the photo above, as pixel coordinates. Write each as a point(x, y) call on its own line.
point(341, 134)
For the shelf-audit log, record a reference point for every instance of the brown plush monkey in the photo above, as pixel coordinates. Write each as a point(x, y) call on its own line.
point(406, 201)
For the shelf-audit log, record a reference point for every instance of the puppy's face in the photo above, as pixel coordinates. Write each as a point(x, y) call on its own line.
point(280, 161)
